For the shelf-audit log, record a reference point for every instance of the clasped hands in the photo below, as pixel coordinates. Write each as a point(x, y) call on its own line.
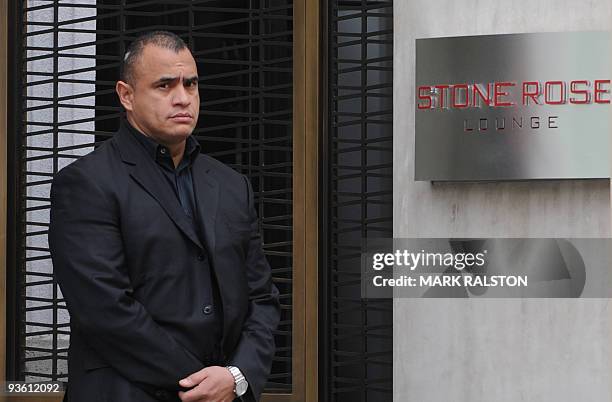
point(211, 384)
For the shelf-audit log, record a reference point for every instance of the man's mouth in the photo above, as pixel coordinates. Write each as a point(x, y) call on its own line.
point(182, 117)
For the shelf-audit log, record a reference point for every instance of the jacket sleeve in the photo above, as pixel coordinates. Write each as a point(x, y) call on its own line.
point(255, 350)
point(90, 267)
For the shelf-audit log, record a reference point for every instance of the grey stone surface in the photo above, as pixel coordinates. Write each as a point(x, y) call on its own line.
point(495, 350)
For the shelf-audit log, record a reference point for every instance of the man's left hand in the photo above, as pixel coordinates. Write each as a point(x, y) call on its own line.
point(211, 384)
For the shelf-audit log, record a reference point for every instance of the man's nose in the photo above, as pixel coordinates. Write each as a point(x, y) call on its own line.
point(180, 96)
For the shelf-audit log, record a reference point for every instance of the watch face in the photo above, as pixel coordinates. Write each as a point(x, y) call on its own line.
point(241, 388)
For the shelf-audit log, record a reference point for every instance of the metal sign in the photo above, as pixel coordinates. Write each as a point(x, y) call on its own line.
point(513, 107)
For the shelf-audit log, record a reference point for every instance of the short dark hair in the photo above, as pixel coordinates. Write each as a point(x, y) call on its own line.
point(164, 39)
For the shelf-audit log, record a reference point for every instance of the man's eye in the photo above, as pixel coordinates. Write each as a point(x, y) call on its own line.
point(163, 86)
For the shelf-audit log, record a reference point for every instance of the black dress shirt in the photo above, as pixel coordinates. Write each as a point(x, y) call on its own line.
point(179, 178)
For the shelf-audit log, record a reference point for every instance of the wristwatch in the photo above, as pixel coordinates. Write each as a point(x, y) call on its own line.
point(240, 382)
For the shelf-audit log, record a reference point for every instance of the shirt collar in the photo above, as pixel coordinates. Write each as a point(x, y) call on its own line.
point(159, 152)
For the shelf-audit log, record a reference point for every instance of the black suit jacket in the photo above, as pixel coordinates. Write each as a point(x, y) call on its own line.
point(128, 263)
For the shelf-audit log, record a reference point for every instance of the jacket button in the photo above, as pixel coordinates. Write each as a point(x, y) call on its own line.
point(207, 309)
point(161, 395)
point(201, 257)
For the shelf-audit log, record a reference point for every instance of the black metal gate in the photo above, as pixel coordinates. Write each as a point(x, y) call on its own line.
point(358, 166)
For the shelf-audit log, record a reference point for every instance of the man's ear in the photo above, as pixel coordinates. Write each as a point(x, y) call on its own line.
point(126, 94)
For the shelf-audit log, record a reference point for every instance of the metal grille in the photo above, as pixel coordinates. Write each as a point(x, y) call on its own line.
point(359, 364)
point(70, 58)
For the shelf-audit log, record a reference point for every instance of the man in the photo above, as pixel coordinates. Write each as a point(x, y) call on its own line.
point(157, 253)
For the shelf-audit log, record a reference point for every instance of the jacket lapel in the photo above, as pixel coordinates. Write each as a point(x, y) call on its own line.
point(144, 170)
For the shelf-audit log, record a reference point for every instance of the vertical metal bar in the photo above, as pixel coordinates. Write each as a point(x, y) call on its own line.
point(55, 169)
point(261, 130)
point(333, 191)
point(325, 265)
point(364, 179)
point(122, 29)
point(122, 45)
point(20, 226)
point(250, 127)
point(4, 99)
point(15, 128)
point(191, 22)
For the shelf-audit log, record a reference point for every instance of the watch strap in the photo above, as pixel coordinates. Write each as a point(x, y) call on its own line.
point(238, 378)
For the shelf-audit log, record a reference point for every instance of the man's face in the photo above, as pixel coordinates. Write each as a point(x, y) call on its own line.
point(164, 101)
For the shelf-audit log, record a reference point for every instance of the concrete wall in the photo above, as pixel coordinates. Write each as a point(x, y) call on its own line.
point(460, 350)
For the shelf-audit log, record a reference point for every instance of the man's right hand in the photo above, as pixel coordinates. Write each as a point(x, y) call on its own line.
point(211, 384)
